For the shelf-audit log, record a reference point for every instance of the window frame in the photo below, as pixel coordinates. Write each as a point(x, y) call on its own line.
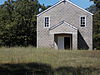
point(82, 25)
point(45, 26)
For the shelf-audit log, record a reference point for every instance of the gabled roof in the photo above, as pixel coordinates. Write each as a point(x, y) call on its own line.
point(61, 23)
point(61, 2)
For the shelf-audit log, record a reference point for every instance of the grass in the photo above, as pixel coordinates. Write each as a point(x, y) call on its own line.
point(55, 58)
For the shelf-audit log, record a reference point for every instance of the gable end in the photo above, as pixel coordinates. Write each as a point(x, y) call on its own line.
point(61, 2)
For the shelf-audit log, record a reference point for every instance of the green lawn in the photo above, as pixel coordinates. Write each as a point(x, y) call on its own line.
point(55, 58)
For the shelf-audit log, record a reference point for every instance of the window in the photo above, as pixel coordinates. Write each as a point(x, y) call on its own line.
point(83, 21)
point(47, 23)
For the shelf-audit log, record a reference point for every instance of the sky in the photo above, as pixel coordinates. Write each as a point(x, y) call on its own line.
point(81, 3)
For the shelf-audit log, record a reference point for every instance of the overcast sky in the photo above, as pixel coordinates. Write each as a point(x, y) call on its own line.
point(81, 3)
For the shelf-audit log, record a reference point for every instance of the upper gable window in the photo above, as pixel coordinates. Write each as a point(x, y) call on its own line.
point(47, 22)
point(83, 21)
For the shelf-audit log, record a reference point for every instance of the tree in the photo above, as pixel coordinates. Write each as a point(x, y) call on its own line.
point(5, 22)
point(97, 2)
point(18, 22)
point(96, 24)
point(96, 30)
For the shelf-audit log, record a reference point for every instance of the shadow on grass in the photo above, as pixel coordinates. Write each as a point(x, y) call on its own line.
point(77, 71)
point(25, 69)
point(44, 69)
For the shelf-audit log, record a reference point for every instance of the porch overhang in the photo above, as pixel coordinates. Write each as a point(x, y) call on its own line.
point(65, 28)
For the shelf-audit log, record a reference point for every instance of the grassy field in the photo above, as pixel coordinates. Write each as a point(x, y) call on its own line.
point(55, 58)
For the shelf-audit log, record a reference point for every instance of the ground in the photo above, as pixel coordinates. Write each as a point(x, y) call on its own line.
point(55, 58)
point(32, 61)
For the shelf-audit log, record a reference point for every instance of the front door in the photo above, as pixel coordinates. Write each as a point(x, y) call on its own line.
point(64, 42)
point(67, 42)
point(60, 42)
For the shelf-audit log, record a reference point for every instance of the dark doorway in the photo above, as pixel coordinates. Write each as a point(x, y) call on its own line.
point(67, 42)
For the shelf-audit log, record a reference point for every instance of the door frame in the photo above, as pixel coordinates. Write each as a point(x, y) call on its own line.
point(63, 36)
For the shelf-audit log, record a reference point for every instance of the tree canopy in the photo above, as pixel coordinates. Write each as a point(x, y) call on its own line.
point(97, 2)
point(18, 22)
point(96, 23)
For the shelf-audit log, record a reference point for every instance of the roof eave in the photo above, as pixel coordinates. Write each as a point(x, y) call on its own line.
point(81, 8)
point(60, 23)
point(61, 2)
point(49, 8)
